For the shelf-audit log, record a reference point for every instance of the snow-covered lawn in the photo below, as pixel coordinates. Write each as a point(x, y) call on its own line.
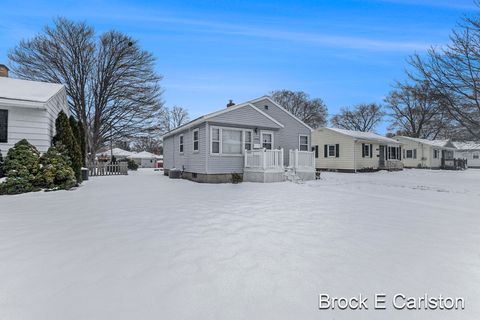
point(146, 247)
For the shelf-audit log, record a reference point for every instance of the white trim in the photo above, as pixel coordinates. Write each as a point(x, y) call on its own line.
point(300, 142)
point(220, 141)
point(334, 150)
point(220, 112)
point(193, 140)
point(282, 108)
point(181, 142)
point(273, 138)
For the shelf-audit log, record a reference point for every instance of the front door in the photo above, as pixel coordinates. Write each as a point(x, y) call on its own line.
point(267, 139)
point(381, 161)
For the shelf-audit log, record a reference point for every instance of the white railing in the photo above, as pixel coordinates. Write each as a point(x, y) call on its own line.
point(303, 160)
point(264, 159)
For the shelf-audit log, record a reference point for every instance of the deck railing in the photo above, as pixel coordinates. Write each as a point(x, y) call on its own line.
point(264, 159)
point(107, 169)
point(301, 160)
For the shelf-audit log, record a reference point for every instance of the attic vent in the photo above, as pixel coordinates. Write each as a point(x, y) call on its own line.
point(265, 107)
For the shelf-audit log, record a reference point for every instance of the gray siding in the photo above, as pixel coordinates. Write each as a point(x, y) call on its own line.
point(245, 117)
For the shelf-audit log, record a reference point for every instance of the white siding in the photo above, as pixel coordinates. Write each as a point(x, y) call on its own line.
point(322, 137)
point(424, 155)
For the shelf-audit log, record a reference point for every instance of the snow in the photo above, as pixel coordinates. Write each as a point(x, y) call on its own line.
point(143, 246)
point(433, 143)
point(36, 91)
point(117, 152)
point(144, 155)
point(467, 145)
point(370, 136)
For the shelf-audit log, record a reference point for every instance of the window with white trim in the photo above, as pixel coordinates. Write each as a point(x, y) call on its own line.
point(248, 140)
point(409, 154)
point(332, 150)
point(230, 141)
point(435, 153)
point(475, 156)
point(181, 143)
point(215, 138)
point(303, 143)
point(195, 140)
point(366, 150)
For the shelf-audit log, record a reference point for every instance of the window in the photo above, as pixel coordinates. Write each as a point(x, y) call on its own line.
point(331, 150)
point(435, 153)
point(267, 140)
point(230, 141)
point(181, 143)
point(303, 144)
point(215, 140)
point(393, 153)
point(366, 150)
point(195, 140)
point(475, 156)
point(248, 140)
point(3, 125)
point(409, 154)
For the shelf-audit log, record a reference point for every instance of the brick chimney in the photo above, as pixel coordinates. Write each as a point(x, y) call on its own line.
point(3, 71)
point(230, 103)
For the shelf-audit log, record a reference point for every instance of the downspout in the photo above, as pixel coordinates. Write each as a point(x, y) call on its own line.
point(207, 145)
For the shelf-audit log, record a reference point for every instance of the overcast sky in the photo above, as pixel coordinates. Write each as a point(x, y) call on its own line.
point(345, 52)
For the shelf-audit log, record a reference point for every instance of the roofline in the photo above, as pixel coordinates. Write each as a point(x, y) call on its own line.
point(432, 145)
point(285, 110)
point(23, 103)
point(364, 139)
point(217, 113)
point(62, 87)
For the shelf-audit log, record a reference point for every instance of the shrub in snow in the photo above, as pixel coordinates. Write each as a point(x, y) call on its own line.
point(66, 138)
point(132, 165)
point(79, 135)
point(1, 164)
point(21, 167)
point(236, 178)
point(55, 172)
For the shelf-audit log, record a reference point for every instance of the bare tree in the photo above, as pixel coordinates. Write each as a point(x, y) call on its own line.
point(363, 117)
point(454, 72)
point(172, 118)
point(111, 83)
point(311, 111)
point(150, 144)
point(418, 111)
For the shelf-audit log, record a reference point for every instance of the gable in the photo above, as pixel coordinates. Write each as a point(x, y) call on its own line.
point(246, 115)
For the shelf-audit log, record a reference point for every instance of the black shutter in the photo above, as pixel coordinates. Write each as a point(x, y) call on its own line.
point(316, 151)
point(399, 153)
point(325, 151)
point(337, 150)
point(371, 150)
point(363, 150)
point(414, 153)
point(3, 125)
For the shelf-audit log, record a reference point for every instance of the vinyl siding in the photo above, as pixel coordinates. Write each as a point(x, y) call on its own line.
point(244, 116)
point(35, 125)
point(322, 137)
point(468, 154)
point(424, 154)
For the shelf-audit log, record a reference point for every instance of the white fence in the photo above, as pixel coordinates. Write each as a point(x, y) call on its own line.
point(302, 160)
point(264, 159)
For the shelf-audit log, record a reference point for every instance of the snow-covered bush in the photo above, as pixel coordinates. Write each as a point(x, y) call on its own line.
point(21, 167)
point(132, 165)
point(55, 172)
point(1, 164)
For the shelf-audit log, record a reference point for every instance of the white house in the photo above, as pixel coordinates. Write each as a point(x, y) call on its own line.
point(469, 150)
point(118, 153)
point(28, 110)
point(424, 153)
point(352, 151)
point(145, 159)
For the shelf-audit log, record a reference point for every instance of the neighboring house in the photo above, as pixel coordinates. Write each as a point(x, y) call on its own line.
point(256, 139)
point(118, 153)
point(353, 151)
point(145, 159)
point(28, 110)
point(424, 153)
point(469, 150)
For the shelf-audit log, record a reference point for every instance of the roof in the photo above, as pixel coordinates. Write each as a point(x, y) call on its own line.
point(224, 110)
point(433, 143)
point(117, 152)
point(145, 155)
point(25, 90)
point(367, 136)
point(467, 145)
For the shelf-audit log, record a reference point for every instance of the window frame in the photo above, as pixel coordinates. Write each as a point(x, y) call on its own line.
point(181, 144)
point(5, 111)
point(197, 131)
point(334, 151)
point(300, 142)
point(411, 154)
point(220, 141)
point(367, 150)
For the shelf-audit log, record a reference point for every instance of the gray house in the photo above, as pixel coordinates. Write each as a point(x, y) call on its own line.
point(258, 140)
